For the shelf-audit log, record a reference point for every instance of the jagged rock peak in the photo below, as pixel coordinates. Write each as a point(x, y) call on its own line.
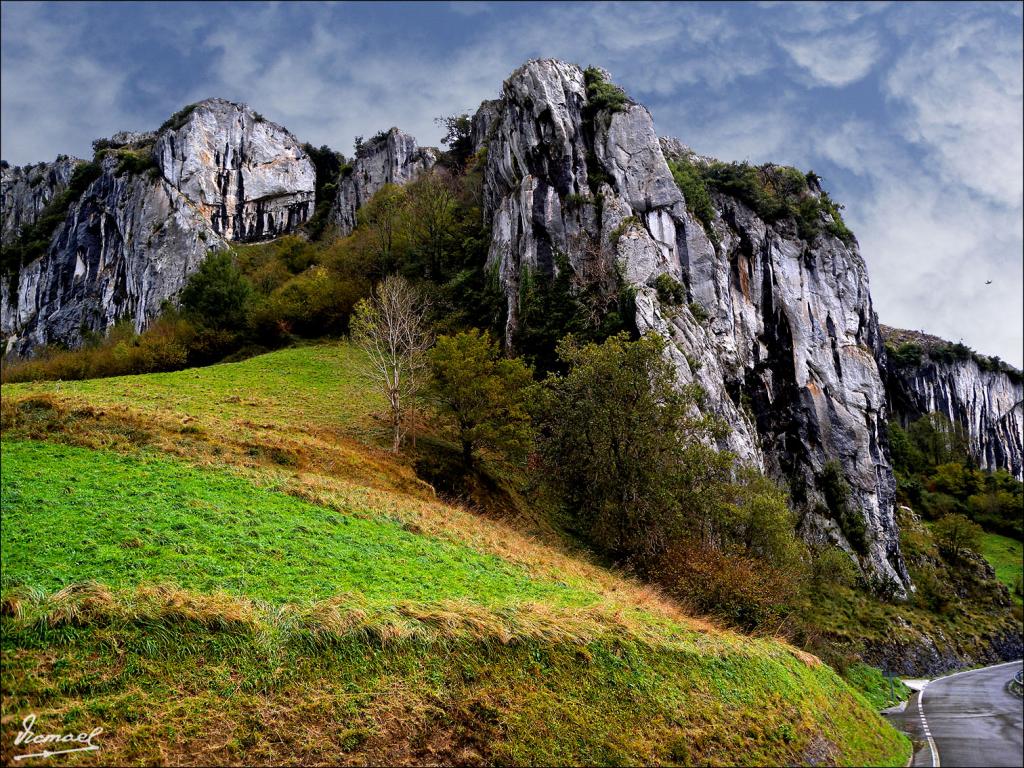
point(249, 177)
point(390, 157)
point(778, 331)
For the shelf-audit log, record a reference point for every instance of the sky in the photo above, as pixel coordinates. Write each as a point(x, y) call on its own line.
point(912, 113)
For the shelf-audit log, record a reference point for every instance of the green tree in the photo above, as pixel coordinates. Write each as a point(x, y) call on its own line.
point(217, 294)
point(429, 219)
point(382, 218)
point(484, 394)
point(458, 138)
point(626, 449)
point(939, 440)
point(955, 534)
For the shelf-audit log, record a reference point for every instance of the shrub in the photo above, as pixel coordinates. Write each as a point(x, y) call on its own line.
point(955, 535)
point(832, 566)
point(776, 192)
point(135, 162)
point(602, 95)
point(837, 499)
point(670, 291)
point(699, 313)
point(695, 192)
point(744, 591)
point(165, 346)
point(178, 119)
point(217, 294)
point(623, 227)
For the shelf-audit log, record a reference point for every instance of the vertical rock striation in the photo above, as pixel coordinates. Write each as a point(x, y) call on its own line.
point(780, 332)
point(389, 158)
point(249, 177)
point(983, 396)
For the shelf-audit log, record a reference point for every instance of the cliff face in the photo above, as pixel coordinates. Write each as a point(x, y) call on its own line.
point(247, 176)
point(127, 245)
point(984, 397)
point(393, 158)
point(26, 191)
point(784, 339)
point(132, 239)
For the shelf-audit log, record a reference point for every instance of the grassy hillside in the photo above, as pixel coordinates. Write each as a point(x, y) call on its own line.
point(1007, 556)
point(222, 565)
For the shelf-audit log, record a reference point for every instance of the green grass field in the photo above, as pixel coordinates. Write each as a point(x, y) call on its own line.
point(222, 566)
point(1006, 555)
point(73, 515)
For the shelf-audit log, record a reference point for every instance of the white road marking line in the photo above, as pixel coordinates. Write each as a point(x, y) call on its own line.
point(928, 734)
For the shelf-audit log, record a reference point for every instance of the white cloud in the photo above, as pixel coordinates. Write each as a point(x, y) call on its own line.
point(61, 101)
point(963, 89)
point(834, 60)
point(930, 251)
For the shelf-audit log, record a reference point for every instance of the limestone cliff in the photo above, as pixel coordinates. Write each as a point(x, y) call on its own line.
point(778, 330)
point(927, 374)
point(26, 191)
point(773, 315)
point(392, 157)
point(216, 172)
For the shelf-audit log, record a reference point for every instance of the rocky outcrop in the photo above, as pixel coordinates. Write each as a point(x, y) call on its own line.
point(912, 653)
point(780, 332)
point(126, 246)
point(926, 374)
point(27, 190)
point(219, 173)
point(247, 176)
point(388, 158)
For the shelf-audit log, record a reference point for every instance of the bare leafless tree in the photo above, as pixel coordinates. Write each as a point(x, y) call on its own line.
point(391, 327)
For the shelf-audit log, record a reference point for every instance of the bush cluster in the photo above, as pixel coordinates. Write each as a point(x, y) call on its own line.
point(909, 354)
point(602, 95)
point(773, 192)
point(935, 476)
point(691, 183)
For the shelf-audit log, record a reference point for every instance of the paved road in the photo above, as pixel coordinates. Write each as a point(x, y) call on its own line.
point(972, 720)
